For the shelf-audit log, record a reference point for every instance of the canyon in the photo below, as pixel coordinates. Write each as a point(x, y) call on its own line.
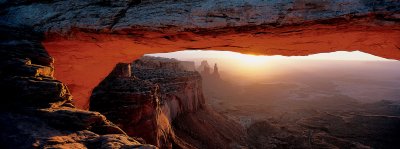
point(158, 100)
point(55, 52)
point(314, 104)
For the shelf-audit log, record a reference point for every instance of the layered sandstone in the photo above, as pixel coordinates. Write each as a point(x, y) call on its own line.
point(145, 102)
point(127, 16)
point(183, 103)
point(132, 104)
point(37, 109)
point(159, 99)
point(181, 90)
point(81, 34)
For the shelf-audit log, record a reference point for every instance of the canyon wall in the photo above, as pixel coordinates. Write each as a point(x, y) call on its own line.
point(181, 90)
point(133, 104)
point(37, 109)
point(145, 101)
point(158, 98)
point(183, 103)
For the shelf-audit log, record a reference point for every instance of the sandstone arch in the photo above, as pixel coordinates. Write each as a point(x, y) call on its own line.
point(88, 38)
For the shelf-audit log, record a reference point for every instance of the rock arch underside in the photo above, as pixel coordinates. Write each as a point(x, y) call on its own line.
point(84, 40)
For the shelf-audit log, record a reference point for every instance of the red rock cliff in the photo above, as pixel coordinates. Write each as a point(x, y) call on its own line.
point(158, 99)
point(181, 91)
point(37, 109)
point(138, 105)
point(133, 104)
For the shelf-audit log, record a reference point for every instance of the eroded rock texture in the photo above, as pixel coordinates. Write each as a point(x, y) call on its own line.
point(181, 91)
point(81, 34)
point(159, 98)
point(37, 109)
point(125, 16)
point(131, 103)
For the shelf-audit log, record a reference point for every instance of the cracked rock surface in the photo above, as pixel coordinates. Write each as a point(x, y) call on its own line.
point(110, 15)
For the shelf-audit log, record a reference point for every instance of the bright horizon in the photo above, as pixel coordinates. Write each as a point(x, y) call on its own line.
point(258, 66)
point(211, 54)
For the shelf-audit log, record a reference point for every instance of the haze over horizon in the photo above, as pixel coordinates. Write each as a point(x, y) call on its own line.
point(257, 67)
point(352, 73)
point(207, 54)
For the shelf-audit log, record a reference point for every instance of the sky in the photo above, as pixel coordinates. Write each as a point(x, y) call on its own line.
point(258, 66)
point(339, 55)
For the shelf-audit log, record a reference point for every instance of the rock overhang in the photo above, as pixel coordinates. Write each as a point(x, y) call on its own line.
point(87, 39)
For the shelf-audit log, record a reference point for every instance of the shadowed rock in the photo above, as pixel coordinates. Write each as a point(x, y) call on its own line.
point(37, 109)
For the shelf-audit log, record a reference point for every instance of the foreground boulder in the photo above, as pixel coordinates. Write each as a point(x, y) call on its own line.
point(61, 128)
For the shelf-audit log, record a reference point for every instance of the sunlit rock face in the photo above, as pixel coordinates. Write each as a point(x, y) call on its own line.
point(131, 103)
point(181, 90)
point(37, 109)
point(146, 102)
point(83, 34)
point(159, 99)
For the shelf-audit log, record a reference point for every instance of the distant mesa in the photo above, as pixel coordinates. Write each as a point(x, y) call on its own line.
point(215, 72)
point(205, 70)
point(188, 65)
point(152, 62)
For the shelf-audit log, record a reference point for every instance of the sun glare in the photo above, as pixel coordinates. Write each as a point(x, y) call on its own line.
point(255, 59)
point(250, 60)
point(252, 64)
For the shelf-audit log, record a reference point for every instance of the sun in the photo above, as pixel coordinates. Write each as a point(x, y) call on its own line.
point(251, 60)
